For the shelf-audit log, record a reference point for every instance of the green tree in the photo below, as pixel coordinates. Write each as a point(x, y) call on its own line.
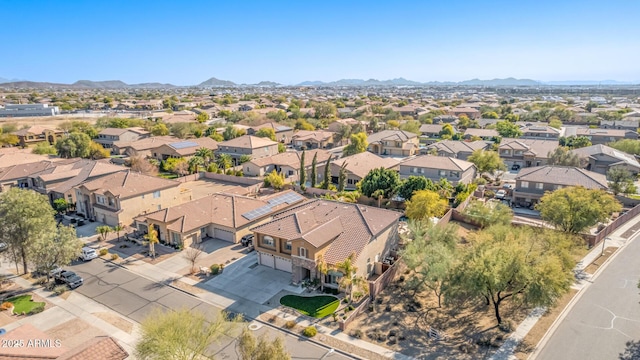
point(431, 257)
point(447, 132)
point(183, 334)
point(281, 148)
point(244, 158)
point(508, 129)
point(176, 165)
point(117, 230)
point(44, 149)
point(25, 217)
point(314, 171)
point(96, 151)
point(411, 185)
point(160, 130)
point(425, 204)
point(590, 105)
point(555, 123)
point(562, 156)
point(205, 154)
point(303, 125)
point(74, 145)
point(274, 180)
point(380, 179)
point(344, 132)
point(490, 115)
point(262, 348)
point(487, 161)
point(357, 145)
point(224, 161)
point(277, 116)
point(412, 126)
point(628, 146)
point(104, 231)
point(507, 262)
point(194, 164)
point(574, 209)
point(488, 214)
point(349, 280)
point(342, 177)
point(60, 205)
point(621, 181)
point(325, 110)
point(216, 136)
point(8, 140)
point(327, 174)
point(303, 172)
point(202, 117)
point(57, 249)
point(266, 133)
point(574, 142)
point(231, 132)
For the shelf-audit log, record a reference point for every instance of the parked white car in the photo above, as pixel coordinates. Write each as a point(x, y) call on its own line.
point(88, 254)
point(500, 194)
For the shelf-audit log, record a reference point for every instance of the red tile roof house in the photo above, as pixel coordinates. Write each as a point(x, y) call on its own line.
point(532, 183)
point(108, 136)
point(297, 238)
point(312, 139)
point(226, 217)
point(253, 146)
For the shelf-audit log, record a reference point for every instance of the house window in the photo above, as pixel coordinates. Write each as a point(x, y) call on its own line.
point(267, 241)
point(156, 194)
point(100, 199)
point(287, 246)
point(414, 170)
point(518, 152)
point(421, 170)
point(524, 184)
point(442, 173)
point(143, 196)
point(302, 252)
point(175, 237)
point(539, 186)
point(112, 202)
point(454, 174)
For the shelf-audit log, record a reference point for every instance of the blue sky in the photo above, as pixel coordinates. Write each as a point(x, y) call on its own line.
point(185, 43)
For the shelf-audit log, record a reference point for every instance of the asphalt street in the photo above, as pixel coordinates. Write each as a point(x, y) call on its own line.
point(135, 297)
point(605, 317)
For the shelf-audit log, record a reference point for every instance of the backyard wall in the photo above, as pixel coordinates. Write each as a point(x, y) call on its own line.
point(592, 240)
point(232, 179)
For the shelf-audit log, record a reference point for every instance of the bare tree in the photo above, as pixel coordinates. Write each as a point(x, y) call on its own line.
point(142, 165)
point(192, 254)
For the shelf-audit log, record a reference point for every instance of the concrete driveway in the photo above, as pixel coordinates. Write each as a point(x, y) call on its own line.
point(250, 281)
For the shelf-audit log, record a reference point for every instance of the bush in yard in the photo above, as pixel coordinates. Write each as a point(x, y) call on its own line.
point(357, 334)
point(290, 324)
point(6, 305)
point(310, 331)
point(114, 256)
point(215, 269)
point(37, 310)
point(60, 289)
point(103, 252)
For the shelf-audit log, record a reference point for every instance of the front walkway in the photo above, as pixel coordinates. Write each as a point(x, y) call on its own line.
point(617, 239)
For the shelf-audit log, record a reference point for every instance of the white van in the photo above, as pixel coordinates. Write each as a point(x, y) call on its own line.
point(88, 254)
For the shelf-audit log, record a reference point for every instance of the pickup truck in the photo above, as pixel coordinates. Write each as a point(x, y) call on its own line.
point(68, 277)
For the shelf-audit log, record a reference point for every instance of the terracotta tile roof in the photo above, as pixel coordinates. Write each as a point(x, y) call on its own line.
point(390, 135)
point(98, 348)
point(539, 148)
point(292, 158)
point(481, 132)
point(15, 156)
point(601, 132)
point(248, 142)
point(221, 209)
point(360, 164)
point(67, 173)
point(147, 143)
point(438, 162)
point(563, 175)
point(318, 135)
point(431, 128)
point(127, 184)
point(20, 171)
point(348, 227)
point(593, 150)
point(25, 333)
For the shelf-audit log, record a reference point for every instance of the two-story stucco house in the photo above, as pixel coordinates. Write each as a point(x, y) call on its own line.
point(526, 152)
point(455, 149)
point(296, 239)
point(253, 146)
point(287, 163)
point(108, 136)
point(184, 148)
point(221, 216)
point(283, 133)
point(605, 136)
point(601, 158)
point(37, 134)
point(317, 139)
point(439, 167)
point(539, 131)
point(357, 167)
point(484, 134)
point(393, 142)
point(532, 183)
point(118, 198)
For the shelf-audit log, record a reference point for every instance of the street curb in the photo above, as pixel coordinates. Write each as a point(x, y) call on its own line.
point(300, 337)
point(569, 306)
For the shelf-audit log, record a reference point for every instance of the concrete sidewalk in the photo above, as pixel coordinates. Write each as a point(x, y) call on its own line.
point(583, 280)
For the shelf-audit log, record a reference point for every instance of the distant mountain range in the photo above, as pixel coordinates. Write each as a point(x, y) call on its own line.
point(215, 82)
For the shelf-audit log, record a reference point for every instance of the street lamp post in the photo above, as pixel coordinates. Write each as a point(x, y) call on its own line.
point(603, 241)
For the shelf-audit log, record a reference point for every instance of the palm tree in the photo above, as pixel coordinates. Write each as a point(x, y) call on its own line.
point(349, 270)
point(323, 269)
point(117, 229)
point(224, 161)
point(379, 194)
point(152, 238)
point(103, 230)
point(194, 163)
point(205, 154)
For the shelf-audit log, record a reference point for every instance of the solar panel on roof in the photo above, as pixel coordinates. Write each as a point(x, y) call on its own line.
point(282, 128)
point(255, 213)
point(183, 145)
point(289, 198)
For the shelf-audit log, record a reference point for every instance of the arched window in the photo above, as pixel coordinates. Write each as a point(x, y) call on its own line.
point(302, 252)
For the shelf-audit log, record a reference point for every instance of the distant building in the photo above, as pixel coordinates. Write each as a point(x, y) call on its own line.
point(21, 110)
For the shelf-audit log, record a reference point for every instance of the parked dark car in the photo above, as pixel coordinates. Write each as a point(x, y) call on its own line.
point(515, 167)
point(247, 240)
point(70, 278)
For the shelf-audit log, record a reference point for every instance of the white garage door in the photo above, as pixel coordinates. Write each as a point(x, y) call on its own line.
point(223, 235)
point(266, 260)
point(283, 264)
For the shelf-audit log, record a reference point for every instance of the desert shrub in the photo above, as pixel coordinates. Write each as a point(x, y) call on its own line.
point(37, 309)
point(350, 308)
point(489, 194)
point(310, 331)
point(290, 324)
point(345, 300)
point(357, 295)
point(103, 252)
point(114, 256)
point(6, 305)
point(215, 269)
point(60, 289)
point(356, 334)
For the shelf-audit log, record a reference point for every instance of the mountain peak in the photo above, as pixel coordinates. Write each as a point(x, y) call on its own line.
point(217, 82)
